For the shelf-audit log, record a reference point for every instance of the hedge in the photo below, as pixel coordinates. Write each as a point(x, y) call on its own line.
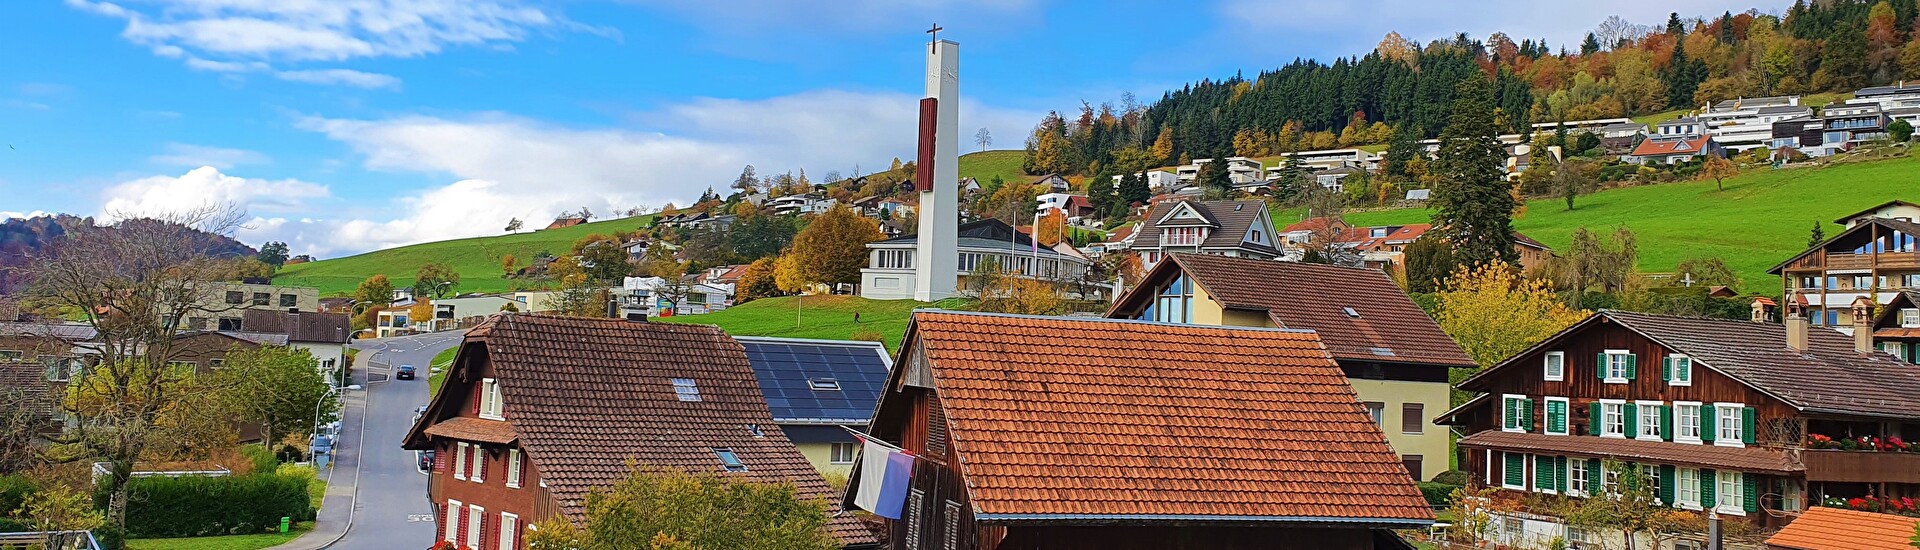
point(199, 506)
point(14, 491)
point(1439, 495)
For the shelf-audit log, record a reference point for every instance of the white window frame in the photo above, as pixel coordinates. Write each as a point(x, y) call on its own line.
point(513, 468)
point(1619, 407)
point(1644, 409)
point(1652, 472)
point(1679, 431)
point(1623, 355)
point(1518, 424)
point(1578, 475)
point(479, 473)
point(833, 452)
point(1720, 424)
point(509, 523)
point(476, 523)
point(1728, 495)
point(1553, 366)
point(1524, 459)
point(490, 399)
point(455, 514)
point(460, 461)
point(1555, 476)
point(1566, 415)
point(1686, 488)
point(1682, 374)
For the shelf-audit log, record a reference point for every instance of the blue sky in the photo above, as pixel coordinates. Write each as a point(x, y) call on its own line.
point(349, 125)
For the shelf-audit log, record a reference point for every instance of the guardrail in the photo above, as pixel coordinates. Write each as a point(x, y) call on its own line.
point(52, 540)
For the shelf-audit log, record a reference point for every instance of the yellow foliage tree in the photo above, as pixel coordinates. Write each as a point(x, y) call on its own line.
point(833, 247)
point(1494, 313)
point(1052, 227)
point(422, 309)
point(1163, 145)
point(1719, 169)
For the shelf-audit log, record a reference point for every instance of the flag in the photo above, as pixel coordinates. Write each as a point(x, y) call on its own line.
point(884, 475)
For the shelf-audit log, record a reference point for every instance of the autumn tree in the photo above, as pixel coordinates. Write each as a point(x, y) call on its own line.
point(1163, 145)
point(1493, 313)
point(1718, 169)
point(1707, 271)
point(375, 291)
point(603, 259)
point(509, 265)
point(662, 509)
point(421, 311)
point(1575, 177)
point(833, 247)
point(757, 282)
point(1592, 259)
point(279, 388)
point(1022, 295)
point(1631, 505)
point(435, 280)
point(1472, 202)
point(1051, 228)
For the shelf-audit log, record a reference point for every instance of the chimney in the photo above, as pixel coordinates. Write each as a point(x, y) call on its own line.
point(1760, 307)
point(1796, 322)
point(1862, 325)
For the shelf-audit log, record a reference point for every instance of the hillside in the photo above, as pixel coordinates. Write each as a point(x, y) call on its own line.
point(1762, 218)
point(477, 259)
point(821, 317)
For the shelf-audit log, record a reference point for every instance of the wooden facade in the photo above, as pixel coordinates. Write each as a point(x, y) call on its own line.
point(1873, 258)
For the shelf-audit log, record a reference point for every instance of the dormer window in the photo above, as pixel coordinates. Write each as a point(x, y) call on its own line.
point(731, 462)
point(1378, 232)
point(823, 384)
point(1910, 318)
point(1183, 236)
point(490, 406)
point(686, 389)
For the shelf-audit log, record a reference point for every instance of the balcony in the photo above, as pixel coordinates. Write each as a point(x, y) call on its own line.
point(1861, 466)
point(1866, 261)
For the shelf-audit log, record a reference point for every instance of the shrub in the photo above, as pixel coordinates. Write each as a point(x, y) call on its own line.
point(197, 506)
point(263, 459)
point(1439, 495)
point(1452, 477)
point(14, 490)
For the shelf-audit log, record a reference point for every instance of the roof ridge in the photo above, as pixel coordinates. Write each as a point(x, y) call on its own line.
point(1223, 328)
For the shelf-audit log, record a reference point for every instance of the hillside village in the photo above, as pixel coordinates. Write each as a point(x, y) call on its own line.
point(1235, 317)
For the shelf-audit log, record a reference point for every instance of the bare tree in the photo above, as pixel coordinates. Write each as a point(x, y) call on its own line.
point(514, 225)
point(984, 138)
point(136, 283)
point(1616, 31)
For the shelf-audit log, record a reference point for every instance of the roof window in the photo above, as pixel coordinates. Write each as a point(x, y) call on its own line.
point(729, 460)
point(823, 384)
point(1351, 312)
point(685, 389)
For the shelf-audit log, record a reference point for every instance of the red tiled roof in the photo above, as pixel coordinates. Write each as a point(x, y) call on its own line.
point(1822, 528)
point(1749, 459)
point(474, 429)
point(1312, 224)
point(590, 397)
point(1388, 327)
point(1120, 234)
point(1089, 418)
point(1363, 239)
point(1523, 240)
point(1660, 147)
point(1897, 333)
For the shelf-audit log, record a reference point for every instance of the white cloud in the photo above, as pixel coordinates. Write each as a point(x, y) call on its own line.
point(206, 186)
point(347, 77)
point(189, 155)
point(1352, 28)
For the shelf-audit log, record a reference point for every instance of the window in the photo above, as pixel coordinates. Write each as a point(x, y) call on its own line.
point(262, 298)
point(1617, 366)
point(509, 530)
point(893, 259)
point(1613, 418)
point(729, 460)
point(490, 407)
point(1577, 472)
point(11, 355)
point(460, 462)
point(1516, 471)
point(1686, 490)
point(230, 325)
point(1686, 422)
point(475, 532)
point(843, 453)
point(1546, 477)
point(513, 468)
point(1378, 411)
point(1183, 236)
point(1413, 418)
point(1728, 421)
point(479, 464)
point(1516, 414)
point(452, 521)
point(1649, 420)
point(915, 499)
point(1556, 416)
point(1728, 493)
point(289, 300)
point(1910, 318)
point(1651, 473)
point(235, 297)
point(1413, 464)
point(1556, 366)
point(1679, 370)
point(1175, 302)
point(685, 389)
point(824, 384)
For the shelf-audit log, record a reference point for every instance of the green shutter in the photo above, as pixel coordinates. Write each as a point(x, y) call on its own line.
point(1526, 415)
point(1746, 425)
point(1668, 480)
point(1633, 365)
point(1543, 473)
point(1666, 369)
point(1560, 467)
point(1666, 425)
point(1707, 479)
point(1593, 417)
point(1749, 494)
point(1707, 418)
point(1633, 419)
point(1600, 366)
point(1516, 469)
point(1684, 368)
point(1557, 416)
point(1506, 412)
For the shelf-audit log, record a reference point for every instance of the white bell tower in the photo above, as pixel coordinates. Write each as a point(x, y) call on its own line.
point(936, 256)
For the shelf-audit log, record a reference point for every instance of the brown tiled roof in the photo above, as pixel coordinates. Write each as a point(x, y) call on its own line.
point(1231, 220)
point(31, 379)
point(467, 428)
point(1822, 528)
point(1079, 419)
point(1389, 328)
point(331, 328)
point(590, 396)
point(1663, 147)
point(1897, 333)
point(1523, 240)
point(1829, 377)
point(1749, 459)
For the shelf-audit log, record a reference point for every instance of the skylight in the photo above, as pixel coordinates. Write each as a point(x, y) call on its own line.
point(729, 460)
point(685, 389)
point(824, 384)
point(1351, 312)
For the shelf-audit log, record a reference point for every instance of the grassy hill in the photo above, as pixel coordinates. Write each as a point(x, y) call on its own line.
point(477, 259)
point(821, 317)
point(984, 165)
point(1762, 218)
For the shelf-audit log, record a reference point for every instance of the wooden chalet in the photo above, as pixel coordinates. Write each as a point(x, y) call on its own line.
point(1058, 433)
point(1877, 256)
point(1734, 417)
point(1896, 330)
point(538, 411)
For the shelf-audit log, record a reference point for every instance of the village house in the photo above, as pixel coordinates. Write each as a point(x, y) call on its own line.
point(817, 390)
point(1619, 138)
point(1393, 354)
point(1064, 433)
point(222, 306)
point(1226, 228)
point(1876, 256)
point(1054, 183)
point(537, 411)
point(1662, 150)
point(1075, 207)
point(324, 335)
point(565, 221)
point(1853, 124)
point(1740, 418)
point(1328, 158)
point(890, 275)
point(1896, 329)
point(794, 205)
point(38, 359)
point(1156, 179)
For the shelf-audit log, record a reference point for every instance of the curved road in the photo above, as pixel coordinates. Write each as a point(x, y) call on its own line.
point(391, 509)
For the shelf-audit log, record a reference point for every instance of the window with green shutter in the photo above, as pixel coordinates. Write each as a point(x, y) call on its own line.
point(1556, 416)
point(1668, 480)
point(1526, 415)
point(1543, 475)
point(1707, 420)
point(1593, 418)
point(1516, 470)
point(1632, 413)
point(1666, 368)
point(1746, 425)
point(1750, 498)
point(1633, 365)
point(1560, 467)
point(1600, 366)
point(1507, 412)
point(1707, 480)
point(1666, 425)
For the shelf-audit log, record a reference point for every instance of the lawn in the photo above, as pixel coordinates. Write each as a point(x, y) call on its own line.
point(229, 542)
point(477, 259)
point(984, 165)
point(821, 317)
point(437, 369)
point(1763, 217)
point(1660, 117)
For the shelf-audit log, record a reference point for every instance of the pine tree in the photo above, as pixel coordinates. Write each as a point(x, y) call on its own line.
point(1133, 189)
point(1590, 46)
point(1844, 59)
point(1674, 27)
point(1818, 236)
point(1214, 180)
point(1404, 147)
point(1683, 77)
point(1726, 28)
point(1473, 204)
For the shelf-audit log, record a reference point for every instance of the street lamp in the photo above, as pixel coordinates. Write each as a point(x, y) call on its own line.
point(323, 401)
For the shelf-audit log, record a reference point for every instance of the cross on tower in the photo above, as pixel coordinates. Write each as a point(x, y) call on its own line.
point(935, 32)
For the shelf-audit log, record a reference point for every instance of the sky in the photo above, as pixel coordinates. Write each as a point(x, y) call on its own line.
point(343, 126)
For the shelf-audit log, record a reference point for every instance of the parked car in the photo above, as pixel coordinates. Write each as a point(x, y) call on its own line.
point(405, 373)
point(426, 460)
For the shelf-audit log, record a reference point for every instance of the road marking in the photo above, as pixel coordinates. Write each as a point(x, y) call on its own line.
point(419, 518)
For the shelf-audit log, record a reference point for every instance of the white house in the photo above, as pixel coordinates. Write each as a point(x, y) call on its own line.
point(1328, 158)
point(801, 204)
point(1226, 228)
point(889, 274)
point(1241, 170)
point(1156, 179)
point(642, 295)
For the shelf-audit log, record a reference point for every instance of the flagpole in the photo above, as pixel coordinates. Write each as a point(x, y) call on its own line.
point(877, 441)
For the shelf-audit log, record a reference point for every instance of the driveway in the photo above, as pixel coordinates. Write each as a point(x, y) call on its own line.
point(391, 509)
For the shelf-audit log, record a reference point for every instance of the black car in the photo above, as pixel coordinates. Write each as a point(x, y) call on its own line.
point(405, 373)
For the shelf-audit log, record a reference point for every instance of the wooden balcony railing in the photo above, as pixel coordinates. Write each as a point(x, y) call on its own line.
point(1861, 466)
point(1863, 261)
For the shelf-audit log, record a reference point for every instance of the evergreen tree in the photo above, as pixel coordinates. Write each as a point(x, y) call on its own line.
point(1674, 27)
point(1214, 181)
point(1292, 182)
point(1404, 147)
point(1683, 77)
point(1726, 28)
point(1473, 204)
point(1844, 59)
point(1818, 236)
point(1429, 261)
point(1100, 192)
point(1590, 46)
point(1133, 190)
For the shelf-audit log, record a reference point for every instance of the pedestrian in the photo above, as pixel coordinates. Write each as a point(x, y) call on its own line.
point(856, 317)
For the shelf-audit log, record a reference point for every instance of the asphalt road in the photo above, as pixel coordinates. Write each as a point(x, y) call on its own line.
point(392, 509)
